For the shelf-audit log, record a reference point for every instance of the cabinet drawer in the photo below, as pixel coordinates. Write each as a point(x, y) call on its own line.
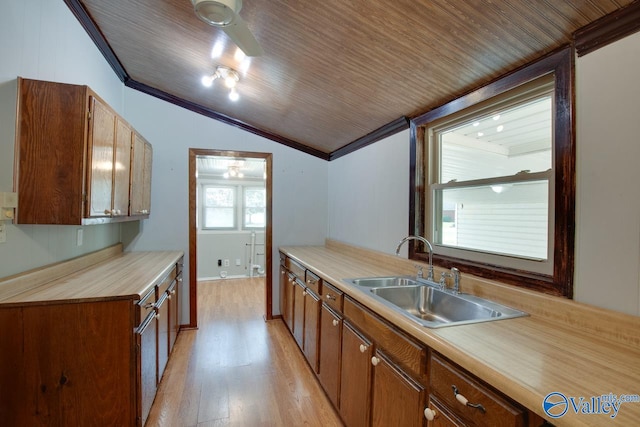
point(411, 356)
point(495, 410)
point(165, 283)
point(332, 296)
point(295, 268)
point(313, 282)
point(145, 306)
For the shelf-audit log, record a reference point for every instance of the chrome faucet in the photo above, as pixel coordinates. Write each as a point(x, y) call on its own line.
point(426, 242)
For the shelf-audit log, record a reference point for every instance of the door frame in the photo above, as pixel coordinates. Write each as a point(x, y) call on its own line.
point(193, 231)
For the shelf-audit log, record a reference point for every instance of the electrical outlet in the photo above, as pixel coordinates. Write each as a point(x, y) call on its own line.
point(238, 261)
point(3, 232)
point(226, 263)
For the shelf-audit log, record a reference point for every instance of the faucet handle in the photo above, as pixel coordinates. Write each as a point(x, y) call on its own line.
point(456, 279)
point(419, 273)
point(443, 279)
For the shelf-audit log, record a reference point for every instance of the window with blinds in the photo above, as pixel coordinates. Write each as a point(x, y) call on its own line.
point(491, 190)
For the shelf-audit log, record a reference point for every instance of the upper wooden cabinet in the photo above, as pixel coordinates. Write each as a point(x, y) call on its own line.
point(74, 158)
point(141, 160)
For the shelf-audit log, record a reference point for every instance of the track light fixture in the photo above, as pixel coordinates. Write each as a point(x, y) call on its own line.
point(230, 78)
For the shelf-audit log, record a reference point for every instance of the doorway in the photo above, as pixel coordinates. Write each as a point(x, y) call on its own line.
point(236, 165)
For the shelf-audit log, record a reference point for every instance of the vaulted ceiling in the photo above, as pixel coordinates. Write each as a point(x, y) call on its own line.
point(333, 72)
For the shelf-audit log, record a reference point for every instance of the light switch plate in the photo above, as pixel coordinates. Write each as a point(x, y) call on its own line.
point(79, 236)
point(8, 200)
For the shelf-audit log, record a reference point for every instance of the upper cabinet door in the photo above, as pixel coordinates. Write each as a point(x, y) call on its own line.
point(100, 165)
point(148, 162)
point(122, 166)
point(142, 157)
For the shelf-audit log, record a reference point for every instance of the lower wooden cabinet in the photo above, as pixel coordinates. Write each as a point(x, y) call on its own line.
point(162, 317)
point(174, 309)
point(298, 312)
point(355, 378)
point(330, 352)
point(82, 362)
point(375, 374)
point(147, 364)
point(312, 305)
point(67, 364)
point(398, 400)
point(285, 295)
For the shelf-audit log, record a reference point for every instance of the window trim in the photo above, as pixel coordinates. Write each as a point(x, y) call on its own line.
point(559, 63)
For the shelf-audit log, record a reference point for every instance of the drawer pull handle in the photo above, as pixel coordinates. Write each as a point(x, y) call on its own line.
point(335, 322)
point(430, 414)
point(460, 398)
point(329, 296)
point(148, 306)
point(375, 361)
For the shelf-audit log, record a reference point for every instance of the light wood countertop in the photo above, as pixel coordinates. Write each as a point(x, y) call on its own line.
point(105, 275)
point(562, 346)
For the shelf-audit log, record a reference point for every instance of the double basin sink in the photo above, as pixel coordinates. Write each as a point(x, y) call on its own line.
point(426, 303)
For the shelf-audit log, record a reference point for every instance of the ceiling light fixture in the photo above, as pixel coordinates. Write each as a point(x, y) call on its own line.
point(230, 78)
point(233, 172)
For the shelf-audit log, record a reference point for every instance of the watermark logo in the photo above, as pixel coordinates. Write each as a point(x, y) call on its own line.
point(557, 404)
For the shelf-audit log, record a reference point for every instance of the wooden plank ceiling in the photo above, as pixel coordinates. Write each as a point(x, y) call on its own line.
point(335, 71)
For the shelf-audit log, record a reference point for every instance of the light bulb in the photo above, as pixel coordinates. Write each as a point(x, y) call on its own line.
point(233, 95)
point(207, 81)
point(230, 81)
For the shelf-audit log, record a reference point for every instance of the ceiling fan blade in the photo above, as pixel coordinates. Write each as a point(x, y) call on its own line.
point(239, 32)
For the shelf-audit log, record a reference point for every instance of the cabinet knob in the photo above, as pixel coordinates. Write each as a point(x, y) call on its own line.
point(335, 322)
point(363, 348)
point(304, 293)
point(169, 296)
point(429, 414)
point(107, 211)
point(157, 315)
point(375, 361)
point(173, 292)
point(329, 296)
point(179, 280)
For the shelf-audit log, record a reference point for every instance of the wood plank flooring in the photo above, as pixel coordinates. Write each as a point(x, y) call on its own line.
point(237, 369)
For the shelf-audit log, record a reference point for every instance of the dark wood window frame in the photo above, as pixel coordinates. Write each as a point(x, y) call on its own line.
point(561, 64)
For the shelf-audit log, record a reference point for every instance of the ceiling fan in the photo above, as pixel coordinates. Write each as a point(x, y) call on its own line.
point(224, 14)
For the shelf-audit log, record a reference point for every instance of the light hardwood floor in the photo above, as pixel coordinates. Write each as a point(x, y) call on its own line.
point(237, 369)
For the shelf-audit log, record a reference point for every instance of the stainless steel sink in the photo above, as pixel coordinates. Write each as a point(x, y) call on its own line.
point(383, 282)
point(425, 303)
